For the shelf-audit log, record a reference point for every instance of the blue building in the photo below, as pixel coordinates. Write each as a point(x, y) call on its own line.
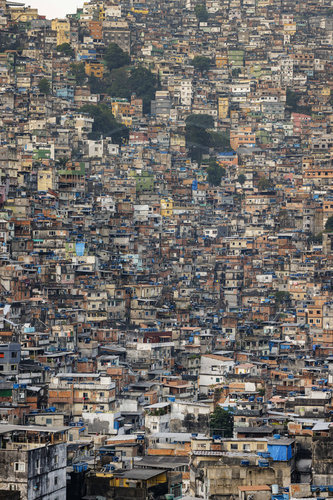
point(281, 449)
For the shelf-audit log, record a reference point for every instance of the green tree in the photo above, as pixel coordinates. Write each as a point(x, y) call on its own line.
point(316, 239)
point(117, 83)
point(105, 123)
point(329, 224)
point(44, 86)
point(235, 72)
point(62, 161)
point(215, 173)
point(201, 63)
point(197, 142)
point(65, 49)
point(265, 184)
point(221, 422)
point(202, 121)
point(83, 32)
point(97, 85)
point(282, 297)
point(220, 141)
point(9, 41)
point(144, 84)
point(292, 102)
point(123, 82)
point(115, 57)
point(292, 99)
point(196, 135)
point(201, 13)
point(79, 73)
point(241, 179)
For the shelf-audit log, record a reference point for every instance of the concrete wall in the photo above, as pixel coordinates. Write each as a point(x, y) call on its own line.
point(322, 460)
point(43, 474)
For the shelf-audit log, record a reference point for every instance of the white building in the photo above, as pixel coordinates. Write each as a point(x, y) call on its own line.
point(186, 92)
point(213, 370)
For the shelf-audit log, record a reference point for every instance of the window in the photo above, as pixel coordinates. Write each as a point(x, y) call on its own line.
point(55, 480)
point(49, 421)
point(234, 446)
point(14, 354)
point(19, 467)
point(177, 491)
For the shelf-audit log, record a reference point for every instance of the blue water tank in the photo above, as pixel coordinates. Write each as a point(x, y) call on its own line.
point(80, 467)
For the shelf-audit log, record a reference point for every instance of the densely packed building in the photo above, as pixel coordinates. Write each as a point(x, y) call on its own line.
point(166, 251)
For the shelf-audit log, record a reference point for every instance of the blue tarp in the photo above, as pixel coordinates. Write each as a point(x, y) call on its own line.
point(79, 249)
point(280, 453)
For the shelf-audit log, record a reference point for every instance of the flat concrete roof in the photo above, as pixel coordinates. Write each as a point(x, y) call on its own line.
point(142, 474)
point(4, 428)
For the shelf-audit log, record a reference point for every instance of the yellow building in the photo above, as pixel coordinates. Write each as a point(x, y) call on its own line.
point(221, 61)
point(167, 207)
point(45, 179)
point(101, 14)
point(223, 104)
point(63, 29)
point(94, 68)
point(23, 14)
point(290, 28)
point(139, 11)
point(26, 164)
point(139, 478)
point(122, 110)
point(177, 141)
